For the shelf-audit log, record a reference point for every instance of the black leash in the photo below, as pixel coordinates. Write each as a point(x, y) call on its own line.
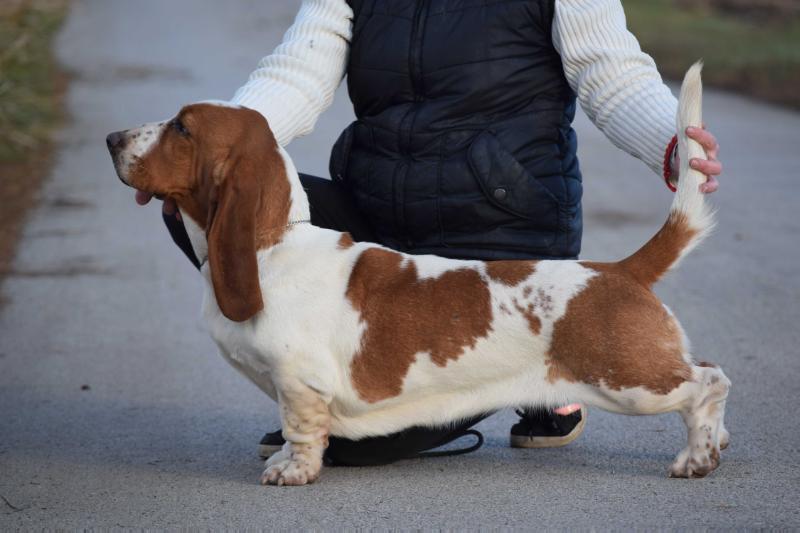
point(460, 451)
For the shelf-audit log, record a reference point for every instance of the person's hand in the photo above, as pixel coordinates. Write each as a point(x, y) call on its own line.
point(711, 167)
point(169, 207)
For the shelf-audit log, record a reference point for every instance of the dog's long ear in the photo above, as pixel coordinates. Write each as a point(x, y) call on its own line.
point(231, 236)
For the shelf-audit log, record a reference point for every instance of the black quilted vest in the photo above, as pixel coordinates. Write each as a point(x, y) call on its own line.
point(463, 145)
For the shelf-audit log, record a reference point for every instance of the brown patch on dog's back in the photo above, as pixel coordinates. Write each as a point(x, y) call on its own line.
point(534, 323)
point(510, 273)
point(405, 315)
point(345, 241)
point(617, 333)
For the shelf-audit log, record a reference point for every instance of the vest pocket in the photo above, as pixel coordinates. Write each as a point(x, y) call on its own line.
point(508, 186)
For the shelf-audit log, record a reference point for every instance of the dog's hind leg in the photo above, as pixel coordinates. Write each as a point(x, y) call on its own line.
point(305, 421)
point(703, 412)
point(700, 400)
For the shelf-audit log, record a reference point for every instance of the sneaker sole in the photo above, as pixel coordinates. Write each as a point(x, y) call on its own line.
point(524, 441)
point(266, 450)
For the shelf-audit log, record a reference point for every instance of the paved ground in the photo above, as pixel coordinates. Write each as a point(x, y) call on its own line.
point(165, 433)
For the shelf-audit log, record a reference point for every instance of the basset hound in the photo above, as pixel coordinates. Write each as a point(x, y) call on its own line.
point(355, 340)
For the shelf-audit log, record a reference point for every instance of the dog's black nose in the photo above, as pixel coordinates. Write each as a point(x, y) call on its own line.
point(115, 141)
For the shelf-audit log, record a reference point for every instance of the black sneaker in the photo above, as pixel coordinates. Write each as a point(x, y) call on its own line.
point(545, 429)
point(270, 443)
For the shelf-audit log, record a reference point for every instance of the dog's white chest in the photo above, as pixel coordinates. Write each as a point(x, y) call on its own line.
point(237, 341)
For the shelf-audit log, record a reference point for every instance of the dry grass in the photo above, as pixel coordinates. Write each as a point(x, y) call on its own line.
point(31, 89)
point(28, 75)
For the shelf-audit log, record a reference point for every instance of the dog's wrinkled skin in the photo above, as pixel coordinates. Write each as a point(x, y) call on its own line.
point(353, 339)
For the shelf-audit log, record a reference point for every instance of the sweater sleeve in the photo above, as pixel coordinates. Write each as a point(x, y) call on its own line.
point(618, 85)
point(292, 86)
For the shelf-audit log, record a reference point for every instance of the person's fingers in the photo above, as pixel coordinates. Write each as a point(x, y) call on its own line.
point(169, 208)
point(710, 186)
point(706, 140)
point(143, 197)
point(709, 167)
point(567, 409)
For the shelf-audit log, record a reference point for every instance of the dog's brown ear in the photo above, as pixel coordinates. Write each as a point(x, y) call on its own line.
point(232, 244)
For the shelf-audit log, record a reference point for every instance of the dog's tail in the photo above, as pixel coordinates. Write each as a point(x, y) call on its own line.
point(690, 218)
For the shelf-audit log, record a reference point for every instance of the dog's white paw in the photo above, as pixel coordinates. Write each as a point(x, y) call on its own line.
point(281, 456)
point(290, 472)
point(694, 463)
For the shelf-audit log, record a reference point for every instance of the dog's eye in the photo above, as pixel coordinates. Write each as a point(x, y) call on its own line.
point(178, 126)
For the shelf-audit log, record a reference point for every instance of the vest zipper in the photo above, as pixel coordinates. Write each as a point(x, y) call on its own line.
point(415, 52)
point(407, 123)
point(414, 72)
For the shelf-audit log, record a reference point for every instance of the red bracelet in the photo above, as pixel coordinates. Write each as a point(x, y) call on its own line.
point(668, 163)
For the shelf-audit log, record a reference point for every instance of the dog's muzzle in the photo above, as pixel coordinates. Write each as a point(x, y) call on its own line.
point(116, 141)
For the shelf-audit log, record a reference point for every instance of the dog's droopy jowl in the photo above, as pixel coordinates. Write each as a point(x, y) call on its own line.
point(355, 340)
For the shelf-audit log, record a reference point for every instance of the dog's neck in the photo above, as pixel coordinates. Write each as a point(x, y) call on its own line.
point(270, 228)
point(300, 209)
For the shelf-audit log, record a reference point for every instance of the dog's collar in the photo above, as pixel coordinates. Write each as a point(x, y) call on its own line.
point(289, 224)
point(295, 222)
point(199, 264)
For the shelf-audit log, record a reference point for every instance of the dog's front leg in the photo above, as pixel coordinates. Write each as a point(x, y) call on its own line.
point(305, 422)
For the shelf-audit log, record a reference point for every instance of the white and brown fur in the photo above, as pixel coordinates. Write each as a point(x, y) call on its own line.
point(354, 339)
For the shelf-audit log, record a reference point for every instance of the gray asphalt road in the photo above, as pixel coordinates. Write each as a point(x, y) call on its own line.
point(165, 434)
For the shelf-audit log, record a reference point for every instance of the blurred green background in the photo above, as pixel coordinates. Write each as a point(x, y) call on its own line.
point(29, 81)
point(31, 90)
point(749, 46)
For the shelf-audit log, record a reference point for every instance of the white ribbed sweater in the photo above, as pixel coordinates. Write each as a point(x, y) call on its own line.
point(617, 84)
